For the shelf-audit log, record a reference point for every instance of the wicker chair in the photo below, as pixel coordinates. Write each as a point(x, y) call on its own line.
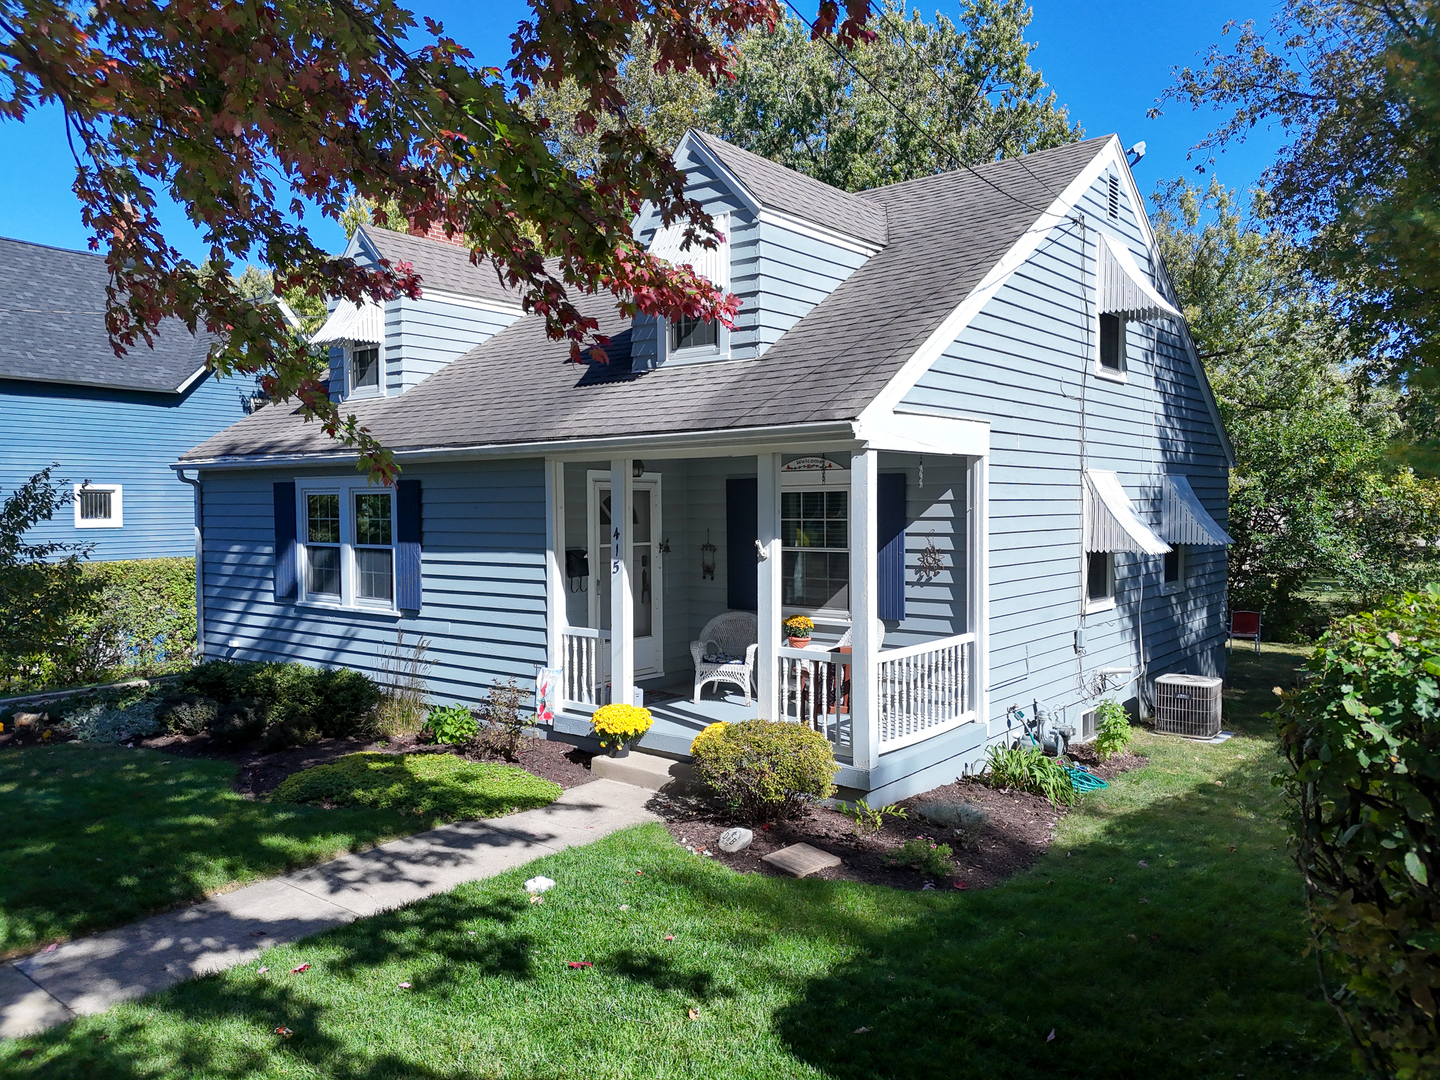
point(734, 634)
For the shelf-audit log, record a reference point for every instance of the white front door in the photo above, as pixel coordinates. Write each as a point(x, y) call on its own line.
point(647, 577)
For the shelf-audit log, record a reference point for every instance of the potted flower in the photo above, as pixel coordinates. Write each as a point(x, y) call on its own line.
point(798, 629)
point(617, 726)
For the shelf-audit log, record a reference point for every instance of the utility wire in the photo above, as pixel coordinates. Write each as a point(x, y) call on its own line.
point(900, 111)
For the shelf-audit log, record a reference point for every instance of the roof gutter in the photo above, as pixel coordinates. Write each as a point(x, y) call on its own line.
point(654, 444)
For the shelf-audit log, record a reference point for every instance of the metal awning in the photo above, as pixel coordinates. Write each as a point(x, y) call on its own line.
point(1111, 523)
point(1186, 521)
point(348, 323)
point(1124, 288)
point(713, 264)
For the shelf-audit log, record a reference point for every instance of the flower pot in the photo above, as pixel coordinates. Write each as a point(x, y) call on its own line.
point(799, 642)
point(617, 751)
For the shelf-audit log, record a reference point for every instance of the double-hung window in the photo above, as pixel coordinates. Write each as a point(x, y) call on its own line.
point(694, 334)
point(815, 549)
point(1099, 580)
point(364, 369)
point(347, 537)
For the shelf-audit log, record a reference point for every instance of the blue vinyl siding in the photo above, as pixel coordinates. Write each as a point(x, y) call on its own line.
point(1025, 363)
point(482, 568)
point(116, 437)
point(428, 333)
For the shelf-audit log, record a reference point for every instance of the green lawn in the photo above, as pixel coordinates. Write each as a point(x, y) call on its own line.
point(1190, 967)
point(98, 836)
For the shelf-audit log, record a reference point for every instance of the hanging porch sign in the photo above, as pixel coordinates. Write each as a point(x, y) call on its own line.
point(812, 464)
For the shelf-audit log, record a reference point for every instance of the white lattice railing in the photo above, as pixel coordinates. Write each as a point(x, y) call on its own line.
point(585, 661)
point(814, 689)
point(921, 690)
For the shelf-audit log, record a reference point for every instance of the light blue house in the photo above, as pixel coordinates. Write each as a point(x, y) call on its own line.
point(112, 425)
point(958, 422)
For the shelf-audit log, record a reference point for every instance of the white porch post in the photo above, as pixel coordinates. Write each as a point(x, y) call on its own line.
point(767, 608)
point(555, 616)
point(622, 603)
point(863, 645)
point(979, 587)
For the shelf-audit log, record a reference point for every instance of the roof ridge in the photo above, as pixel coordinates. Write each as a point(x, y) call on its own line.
point(52, 247)
point(984, 166)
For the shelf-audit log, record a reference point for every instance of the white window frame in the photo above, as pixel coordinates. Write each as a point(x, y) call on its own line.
point(831, 480)
point(1119, 375)
point(353, 391)
point(116, 519)
point(1107, 602)
point(347, 489)
point(1179, 584)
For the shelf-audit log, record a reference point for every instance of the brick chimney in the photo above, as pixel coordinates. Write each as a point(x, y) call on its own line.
point(436, 231)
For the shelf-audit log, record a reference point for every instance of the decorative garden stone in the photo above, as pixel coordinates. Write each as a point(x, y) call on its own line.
point(736, 839)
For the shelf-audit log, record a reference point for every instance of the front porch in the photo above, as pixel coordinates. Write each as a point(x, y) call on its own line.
point(884, 558)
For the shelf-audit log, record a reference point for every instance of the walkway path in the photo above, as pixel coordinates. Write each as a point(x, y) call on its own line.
point(91, 974)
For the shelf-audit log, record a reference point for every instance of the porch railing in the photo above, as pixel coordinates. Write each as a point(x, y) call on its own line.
point(814, 689)
point(921, 690)
point(585, 662)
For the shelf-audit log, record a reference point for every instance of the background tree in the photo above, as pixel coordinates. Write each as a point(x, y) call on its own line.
point(250, 115)
point(967, 90)
point(1314, 493)
point(1355, 87)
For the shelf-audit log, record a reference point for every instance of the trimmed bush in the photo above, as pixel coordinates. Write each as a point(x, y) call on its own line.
point(767, 770)
point(1362, 738)
point(239, 722)
point(187, 715)
point(286, 704)
point(439, 787)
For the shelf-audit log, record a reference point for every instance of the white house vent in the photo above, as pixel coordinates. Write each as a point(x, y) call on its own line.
point(1188, 705)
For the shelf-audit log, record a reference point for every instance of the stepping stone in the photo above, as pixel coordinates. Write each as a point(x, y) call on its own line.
point(801, 860)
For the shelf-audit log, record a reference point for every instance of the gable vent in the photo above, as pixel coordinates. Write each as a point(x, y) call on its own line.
point(1114, 197)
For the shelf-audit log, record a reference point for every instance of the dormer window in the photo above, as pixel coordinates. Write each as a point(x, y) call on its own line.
point(693, 334)
point(364, 368)
point(696, 339)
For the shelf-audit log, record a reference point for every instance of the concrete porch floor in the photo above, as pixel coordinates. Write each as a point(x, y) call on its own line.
point(676, 721)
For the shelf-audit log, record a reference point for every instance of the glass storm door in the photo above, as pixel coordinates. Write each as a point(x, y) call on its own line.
point(645, 581)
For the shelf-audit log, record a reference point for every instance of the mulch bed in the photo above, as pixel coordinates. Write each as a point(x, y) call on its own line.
point(1020, 828)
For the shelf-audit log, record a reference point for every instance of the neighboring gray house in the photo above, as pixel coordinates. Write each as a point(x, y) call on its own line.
point(958, 422)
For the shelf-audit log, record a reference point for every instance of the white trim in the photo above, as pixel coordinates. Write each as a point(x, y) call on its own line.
point(195, 377)
point(622, 600)
point(864, 734)
point(361, 393)
point(498, 307)
point(979, 571)
point(595, 480)
point(767, 608)
point(1106, 602)
point(345, 488)
point(718, 352)
point(116, 520)
point(767, 216)
point(556, 616)
point(696, 147)
point(923, 433)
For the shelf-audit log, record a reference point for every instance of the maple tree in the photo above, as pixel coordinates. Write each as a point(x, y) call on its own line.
point(249, 115)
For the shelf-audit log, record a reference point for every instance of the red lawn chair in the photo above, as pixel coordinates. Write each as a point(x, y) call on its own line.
point(1245, 625)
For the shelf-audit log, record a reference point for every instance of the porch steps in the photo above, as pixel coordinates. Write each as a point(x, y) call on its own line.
point(649, 771)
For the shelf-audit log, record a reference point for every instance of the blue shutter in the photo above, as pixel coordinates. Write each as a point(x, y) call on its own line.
point(287, 581)
point(890, 543)
point(407, 545)
point(742, 529)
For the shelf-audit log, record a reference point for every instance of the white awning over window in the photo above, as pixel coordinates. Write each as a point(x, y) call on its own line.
point(1111, 523)
point(1125, 289)
point(1186, 521)
point(713, 264)
point(347, 323)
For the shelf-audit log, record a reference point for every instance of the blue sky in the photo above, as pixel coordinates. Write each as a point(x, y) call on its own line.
point(1107, 60)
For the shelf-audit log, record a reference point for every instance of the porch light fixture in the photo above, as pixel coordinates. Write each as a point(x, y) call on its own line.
point(637, 468)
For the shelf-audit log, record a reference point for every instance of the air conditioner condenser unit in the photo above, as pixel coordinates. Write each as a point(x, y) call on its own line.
point(1188, 705)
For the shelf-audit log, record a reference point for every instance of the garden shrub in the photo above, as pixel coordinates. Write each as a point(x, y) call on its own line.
point(923, 854)
point(1026, 768)
point(439, 787)
point(450, 724)
point(1112, 729)
point(101, 720)
point(966, 820)
point(239, 722)
point(189, 714)
point(297, 703)
point(766, 769)
point(502, 726)
point(142, 621)
point(1362, 739)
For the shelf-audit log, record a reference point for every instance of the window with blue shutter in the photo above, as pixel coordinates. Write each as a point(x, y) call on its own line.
point(287, 580)
point(407, 548)
point(742, 529)
point(890, 543)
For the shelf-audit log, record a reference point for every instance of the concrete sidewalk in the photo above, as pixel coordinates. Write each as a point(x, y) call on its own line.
point(93, 973)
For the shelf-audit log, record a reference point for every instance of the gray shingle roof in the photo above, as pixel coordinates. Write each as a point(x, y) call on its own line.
point(946, 232)
point(52, 326)
point(442, 266)
point(799, 195)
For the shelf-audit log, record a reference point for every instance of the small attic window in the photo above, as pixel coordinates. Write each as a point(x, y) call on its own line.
point(1114, 207)
point(693, 334)
point(364, 369)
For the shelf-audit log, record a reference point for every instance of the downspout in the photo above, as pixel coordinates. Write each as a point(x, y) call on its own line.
point(199, 561)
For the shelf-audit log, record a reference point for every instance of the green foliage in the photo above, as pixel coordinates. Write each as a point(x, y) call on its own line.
point(450, 724)
point(109, 721)
point(968, 86)
point(1026, 768)
point(924, 854)
point(502, 727)
point(435, 786)
point(43, 589)
point(873, 819)
point(401, 671)
point(1362, 738)
point(767, 770)
point(1315, 492)
point(143, 619)
point(292, 704)
point(1112, 729)
point(966, 820)
point(189, 714)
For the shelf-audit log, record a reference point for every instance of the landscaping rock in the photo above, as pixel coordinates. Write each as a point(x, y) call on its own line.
point(801, 860)
point(30, 719)
point(736, 839)
point(539, 884)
